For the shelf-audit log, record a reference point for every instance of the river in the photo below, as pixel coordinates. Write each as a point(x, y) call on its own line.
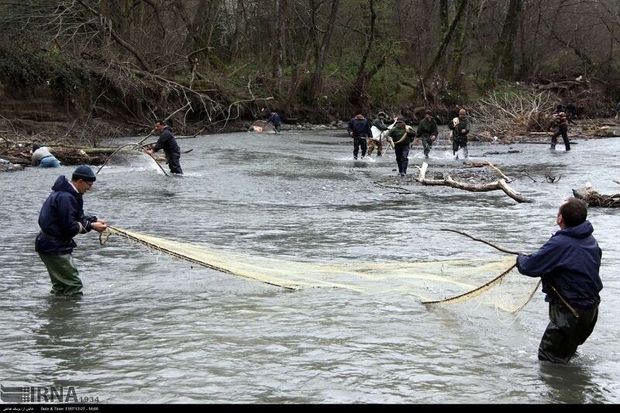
point(153, 329)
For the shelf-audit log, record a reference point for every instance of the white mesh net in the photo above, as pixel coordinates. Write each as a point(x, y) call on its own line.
point(494, 283)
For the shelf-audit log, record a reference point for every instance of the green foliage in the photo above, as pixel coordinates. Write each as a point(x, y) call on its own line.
point(26, 71)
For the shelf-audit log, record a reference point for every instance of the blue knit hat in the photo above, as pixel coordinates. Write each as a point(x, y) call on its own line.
point(85, 173)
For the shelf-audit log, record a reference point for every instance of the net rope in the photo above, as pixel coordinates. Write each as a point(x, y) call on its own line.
point(455, 280)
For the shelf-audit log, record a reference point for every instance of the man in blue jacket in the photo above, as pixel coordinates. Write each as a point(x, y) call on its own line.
point(359, 130)
point(568, 264)
point(275, 120)
point(61, 218)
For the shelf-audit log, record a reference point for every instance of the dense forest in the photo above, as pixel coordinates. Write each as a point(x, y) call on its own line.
point(87, 68)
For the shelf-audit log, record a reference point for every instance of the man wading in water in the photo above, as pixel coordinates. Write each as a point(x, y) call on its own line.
point(427, 132)
point(169, 144)
point(568, 265)
point(359, 130)
point(62, 218)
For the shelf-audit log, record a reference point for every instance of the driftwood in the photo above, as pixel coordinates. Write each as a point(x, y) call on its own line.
point(66, 155)
point(594, 199)
point(490, 165)
point(491, 186)
point(511, 151)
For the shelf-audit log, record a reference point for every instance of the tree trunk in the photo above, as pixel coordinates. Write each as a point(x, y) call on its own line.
point(281, 7)
point(444, 18)
point(454, 66)
point(359, 93)
point(321, 49)
point(503, 60)
point(445, 41)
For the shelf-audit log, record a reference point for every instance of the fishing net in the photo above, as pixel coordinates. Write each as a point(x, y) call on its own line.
point(133, 156)
point(490, 282)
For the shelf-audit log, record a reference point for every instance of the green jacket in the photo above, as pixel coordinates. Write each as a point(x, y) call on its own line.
point(378, 123)
point(456, 130)
point(399, 136)
point(427, 127)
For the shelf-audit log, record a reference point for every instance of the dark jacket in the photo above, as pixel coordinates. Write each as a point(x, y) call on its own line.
point(61, 218)
point(570, 262)
point(274, 119)
point(359, 127)
point(398, 132)
point(456, 130)
point(560, 120)
point(427, 128)
point(379, 124)
point(167, 142)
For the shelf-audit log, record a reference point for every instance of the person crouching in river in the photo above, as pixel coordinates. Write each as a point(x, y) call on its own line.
point(42, 157)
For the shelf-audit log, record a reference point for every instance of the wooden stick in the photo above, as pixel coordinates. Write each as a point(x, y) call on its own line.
point(502, 249)
point(472, 292)
point(570, 308)
point(491, 186)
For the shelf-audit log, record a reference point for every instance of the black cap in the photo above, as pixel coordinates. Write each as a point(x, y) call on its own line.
point(85, 173)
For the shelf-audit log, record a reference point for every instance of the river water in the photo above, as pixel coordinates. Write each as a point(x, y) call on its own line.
point(153, 329)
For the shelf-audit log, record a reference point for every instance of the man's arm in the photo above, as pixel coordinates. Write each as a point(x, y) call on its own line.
point(69, 216)
point(350, 127)
point(464, 128)
point(161, 141)
point(542, 261)
point(378, 123)
point(409, 132)
point(36, 158)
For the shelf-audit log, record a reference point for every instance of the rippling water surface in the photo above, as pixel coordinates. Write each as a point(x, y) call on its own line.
point(153, 329)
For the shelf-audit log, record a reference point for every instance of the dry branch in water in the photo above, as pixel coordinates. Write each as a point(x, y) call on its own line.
point(514, 113)
point(490, 165)
point(594, 199)
point(492, 186)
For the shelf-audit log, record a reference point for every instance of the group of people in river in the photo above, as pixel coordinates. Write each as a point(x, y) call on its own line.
point(368, 135)
point(399, 136)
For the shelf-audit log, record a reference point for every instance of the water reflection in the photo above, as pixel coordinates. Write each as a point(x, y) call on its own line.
point(63, 336)
point(571, 383)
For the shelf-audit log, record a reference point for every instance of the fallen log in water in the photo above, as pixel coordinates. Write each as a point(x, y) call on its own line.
point(594, 199)
point(489, 164)
point(67, 155)
point(491, 186)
